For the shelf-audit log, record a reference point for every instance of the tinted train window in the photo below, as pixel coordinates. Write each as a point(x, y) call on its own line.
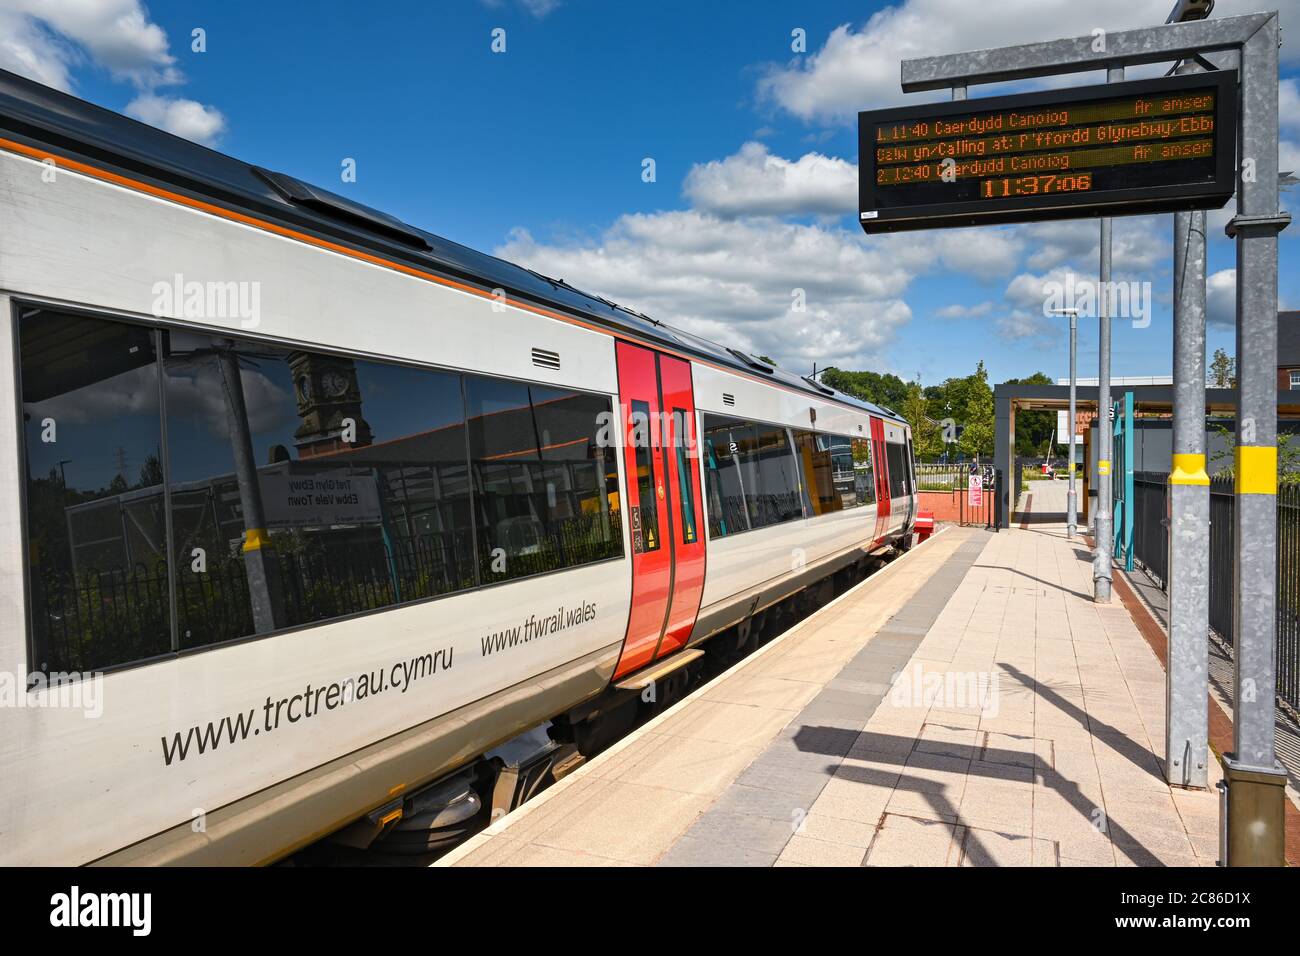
point(96, 523)
point(828, 469)
point(751, 475)
point(645, 517)
point(864, 472)
point(361, 484)
point(681, 439)
point(302, 487)
point(895, 455)
point(724, 474)
point(778, 498)
point(545, 487)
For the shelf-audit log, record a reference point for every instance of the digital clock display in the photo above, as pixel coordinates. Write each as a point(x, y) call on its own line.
point(1118, 149)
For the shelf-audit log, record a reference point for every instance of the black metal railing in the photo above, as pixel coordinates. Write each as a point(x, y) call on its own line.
point(1150, 532)
point(1151, 550)
point(91, 618)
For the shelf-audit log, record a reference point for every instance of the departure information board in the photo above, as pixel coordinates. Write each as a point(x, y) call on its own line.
point(1119, 149)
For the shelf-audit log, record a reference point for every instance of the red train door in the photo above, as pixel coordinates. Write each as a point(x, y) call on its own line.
point(882, 477)
point(663, 502)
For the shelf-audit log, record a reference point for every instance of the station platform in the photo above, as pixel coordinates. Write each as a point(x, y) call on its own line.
point(968, 705)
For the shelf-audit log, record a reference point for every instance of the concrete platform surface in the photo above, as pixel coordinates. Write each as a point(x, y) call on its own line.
point(967, 706)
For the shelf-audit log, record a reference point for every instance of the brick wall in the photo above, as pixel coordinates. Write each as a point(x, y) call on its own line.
point(944, 505)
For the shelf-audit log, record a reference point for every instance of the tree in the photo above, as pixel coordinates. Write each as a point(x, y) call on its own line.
point(927, 439)
point(151, 472)
point(888, 389)
point(1223, 371)
point(967, 403)
point(1034, 430)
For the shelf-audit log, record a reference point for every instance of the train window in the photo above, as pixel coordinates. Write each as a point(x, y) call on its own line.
point(254, 488)
point(751, 475)
point(645, 517)
point(895, 455)
point(864, 473)
point(725, 474)
point(96, 522)
point(546, 488)
point(681, 439)
point(361, 484)
point(828, 469)
point(777, 498)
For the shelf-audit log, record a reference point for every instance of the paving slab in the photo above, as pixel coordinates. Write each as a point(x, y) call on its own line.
point(967, 706)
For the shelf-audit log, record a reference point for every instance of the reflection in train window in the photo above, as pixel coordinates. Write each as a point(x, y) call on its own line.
point(751, 475)
point(96, 526)
point(361, 486)
point(777, 498)
point(645, 519)
point(864, 472)
point(725, 474)
point(895, 455)
point(253, 488)
point(546, 489)
point(828, 469)
point(686, 491)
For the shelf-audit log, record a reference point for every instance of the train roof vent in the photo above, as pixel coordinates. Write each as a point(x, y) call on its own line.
point(345, 210)
point(728, 399)
point(824, 389)
point(545, 358)
point(752, 362)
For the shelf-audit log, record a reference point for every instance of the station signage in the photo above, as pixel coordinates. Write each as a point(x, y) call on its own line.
point(1116, 149)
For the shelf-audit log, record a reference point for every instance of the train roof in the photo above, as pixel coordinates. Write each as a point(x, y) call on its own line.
point(37, 114)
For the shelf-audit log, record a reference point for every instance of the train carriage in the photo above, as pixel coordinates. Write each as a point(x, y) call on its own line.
point(304, 508)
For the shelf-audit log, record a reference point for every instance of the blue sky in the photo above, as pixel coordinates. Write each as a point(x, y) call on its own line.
point(537, 153)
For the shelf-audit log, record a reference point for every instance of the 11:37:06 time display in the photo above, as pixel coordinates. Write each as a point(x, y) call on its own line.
point(1035, 185)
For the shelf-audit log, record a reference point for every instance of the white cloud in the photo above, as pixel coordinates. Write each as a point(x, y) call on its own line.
point(754, 182)
point(538, 8)
point(984, 253)
point(1221, 298)
point(28, 49)
point(959, 311)
point(46, 39)
point(734, 280)
point(186, 118)
point(116, 33)
point(858, 68)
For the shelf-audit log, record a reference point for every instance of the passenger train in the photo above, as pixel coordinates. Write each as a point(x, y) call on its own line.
point(309, 517)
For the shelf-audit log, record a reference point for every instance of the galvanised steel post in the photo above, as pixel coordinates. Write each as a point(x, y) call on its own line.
point(1255, 781)
point(1186, 678)
point(1256, 794)
point(260, 565)
point(1071, 498)
point(1104, 540)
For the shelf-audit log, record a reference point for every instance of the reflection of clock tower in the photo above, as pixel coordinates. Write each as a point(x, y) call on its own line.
point(326, 389)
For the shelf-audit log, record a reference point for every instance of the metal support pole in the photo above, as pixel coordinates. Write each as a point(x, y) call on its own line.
point(1186, 678)
point(1255, 781)
point(1071, 498)
point(1255, 797)
point(1104, 534)
point(260, 566)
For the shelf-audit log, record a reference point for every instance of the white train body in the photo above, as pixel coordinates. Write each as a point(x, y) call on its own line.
point(108, 766)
